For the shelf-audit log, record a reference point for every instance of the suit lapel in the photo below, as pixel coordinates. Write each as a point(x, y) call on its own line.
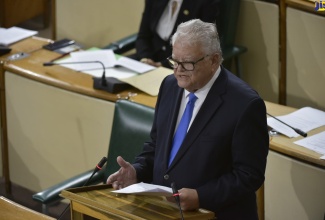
point(211, 104)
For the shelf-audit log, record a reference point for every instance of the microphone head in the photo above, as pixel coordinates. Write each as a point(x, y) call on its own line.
point(173, 186)
point(48, 64)
point(300, 132)
point(102, 162)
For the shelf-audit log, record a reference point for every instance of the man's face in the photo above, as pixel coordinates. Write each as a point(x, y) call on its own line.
point(203, 71)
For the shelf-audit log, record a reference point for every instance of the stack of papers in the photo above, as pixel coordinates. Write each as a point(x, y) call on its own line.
point(141, 76)
point(315, 143)
point(11, 35)
point(108, 58)
point(146, 189)
point(305, 119)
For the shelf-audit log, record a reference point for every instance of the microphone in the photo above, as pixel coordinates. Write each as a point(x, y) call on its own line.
point(97, 168)
point(176, 196)
point(298, 131)
point(108, 84)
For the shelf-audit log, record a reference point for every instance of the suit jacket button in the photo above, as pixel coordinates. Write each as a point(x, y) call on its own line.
point(163, 48)
point(166, 177)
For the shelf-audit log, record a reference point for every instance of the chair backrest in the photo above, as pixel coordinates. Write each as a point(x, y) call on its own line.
point(131, 128)
point(227, 22)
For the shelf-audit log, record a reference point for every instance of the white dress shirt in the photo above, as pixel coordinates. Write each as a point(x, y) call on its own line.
point(201, 94)
point(167, 21)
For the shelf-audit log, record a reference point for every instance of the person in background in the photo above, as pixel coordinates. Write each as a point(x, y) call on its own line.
point(159, 21)
point(221, 161)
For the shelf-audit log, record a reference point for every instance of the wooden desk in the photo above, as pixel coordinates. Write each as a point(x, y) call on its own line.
point(285, 145)
point(56, 78)
point(101, 203)
point(13, 211)
point(294, 177)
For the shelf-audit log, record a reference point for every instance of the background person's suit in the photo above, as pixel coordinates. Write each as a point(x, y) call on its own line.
point(149, 44)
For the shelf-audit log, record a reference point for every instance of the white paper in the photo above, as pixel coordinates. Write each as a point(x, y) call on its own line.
point(146, 189)
point(96, 69)
point(14, 34)
point(149, 82)
point(108, 58)
point(315, 142)
point(305, 119)
point(134, 65)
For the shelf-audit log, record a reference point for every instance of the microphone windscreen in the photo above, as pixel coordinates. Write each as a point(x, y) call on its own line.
point(48, 64)
point(173, 185)
point(102, 162)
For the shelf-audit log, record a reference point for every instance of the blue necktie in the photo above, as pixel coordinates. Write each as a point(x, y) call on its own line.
point(182, 127)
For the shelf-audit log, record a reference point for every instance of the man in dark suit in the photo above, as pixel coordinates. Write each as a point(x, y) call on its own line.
point(159, 21)
point(222, 159)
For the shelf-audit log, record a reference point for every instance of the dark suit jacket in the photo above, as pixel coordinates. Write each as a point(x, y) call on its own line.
point(224, 153)
point(149, 44)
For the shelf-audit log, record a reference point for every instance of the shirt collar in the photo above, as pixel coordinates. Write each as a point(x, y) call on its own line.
point(203, 92)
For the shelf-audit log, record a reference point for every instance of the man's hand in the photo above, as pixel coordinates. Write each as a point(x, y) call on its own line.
point(150, 62)
point(124, 177)
point(189, 199)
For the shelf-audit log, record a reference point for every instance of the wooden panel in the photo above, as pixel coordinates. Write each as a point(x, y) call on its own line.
point(13, 211)
point(100, 202)
point(14, 12)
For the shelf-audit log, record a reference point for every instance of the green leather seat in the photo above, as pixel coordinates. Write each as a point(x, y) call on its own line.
point(227, 27)
point(131, 128)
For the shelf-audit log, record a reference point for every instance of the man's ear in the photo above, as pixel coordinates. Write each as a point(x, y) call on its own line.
point(216, 59)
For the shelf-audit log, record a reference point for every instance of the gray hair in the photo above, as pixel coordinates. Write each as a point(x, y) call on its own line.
point(198, 32)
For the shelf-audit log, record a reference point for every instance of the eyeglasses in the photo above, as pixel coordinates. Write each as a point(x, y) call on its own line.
point(188, 66)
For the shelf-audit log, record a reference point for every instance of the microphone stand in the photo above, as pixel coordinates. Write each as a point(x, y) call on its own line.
point(108, 84)
point(97, 168)
point(176, 196)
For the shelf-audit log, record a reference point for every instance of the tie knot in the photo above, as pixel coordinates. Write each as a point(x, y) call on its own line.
point(192, 97)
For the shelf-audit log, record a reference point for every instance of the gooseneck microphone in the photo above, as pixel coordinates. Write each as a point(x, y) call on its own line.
point(176, 196)
point(97, 168)
point(298, 131)
point(108, 84)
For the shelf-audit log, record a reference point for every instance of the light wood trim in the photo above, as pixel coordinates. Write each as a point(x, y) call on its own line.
point(4, 132)
point(53, 17)
point(13, 211)
point(283, 54)
point(260, 203)
point(304, 5)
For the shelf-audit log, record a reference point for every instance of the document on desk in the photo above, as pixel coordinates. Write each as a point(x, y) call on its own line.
point(146, 189)
point(109, 60)
point(141, 76)
point(305, 119)
point(149, 82)
point(14, 34)
point(315, 142)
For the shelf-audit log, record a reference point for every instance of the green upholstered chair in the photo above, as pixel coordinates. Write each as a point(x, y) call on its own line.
point(227, 27)
point(131, 128)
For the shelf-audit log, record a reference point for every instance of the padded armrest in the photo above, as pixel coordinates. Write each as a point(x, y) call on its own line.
point(123, 45)
point(52, 194)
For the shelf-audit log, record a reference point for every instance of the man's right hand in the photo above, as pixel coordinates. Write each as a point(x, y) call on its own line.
point(124, 177)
